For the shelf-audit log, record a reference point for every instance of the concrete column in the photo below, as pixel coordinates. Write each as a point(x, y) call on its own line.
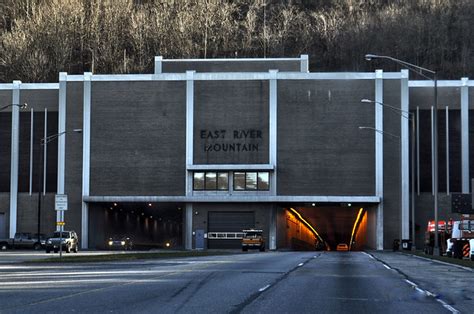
point(86, 140)
point(379, 157)
point(273, 229)
point(304, 64)
point(61, 139)
point(15, 147)
point(465, 135)
point(188, 223)
point(31, 151)
point(45, 150)
point(189, 130)
point(158, 64)
point(405, 157)
point(273, 129)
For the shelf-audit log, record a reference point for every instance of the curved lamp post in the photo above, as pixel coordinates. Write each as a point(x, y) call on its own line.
point(22, 106)
point(44, 141)
point(410, 116)
point(424, 72)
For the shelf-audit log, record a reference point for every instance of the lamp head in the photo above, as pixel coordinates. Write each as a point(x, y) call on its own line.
point(24, 106)
point(77, 130)
point(370, 56)
point(365, 100)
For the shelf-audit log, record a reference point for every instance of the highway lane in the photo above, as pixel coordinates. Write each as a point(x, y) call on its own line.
point(278, 282)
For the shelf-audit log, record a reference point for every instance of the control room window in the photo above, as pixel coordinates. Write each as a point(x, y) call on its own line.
point(239, 181)
point(198, 182)
point(211, 181)
point(223, 181)
point(251, 181)
point(263, 181)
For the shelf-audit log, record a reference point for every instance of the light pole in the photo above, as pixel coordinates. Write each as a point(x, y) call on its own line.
point(22, 106)
point(422, 72)
point(399, 162)
point(410, 116)
point(44, 141)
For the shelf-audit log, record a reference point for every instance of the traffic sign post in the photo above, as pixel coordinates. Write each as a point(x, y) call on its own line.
point(60, 205)
point(60, 202)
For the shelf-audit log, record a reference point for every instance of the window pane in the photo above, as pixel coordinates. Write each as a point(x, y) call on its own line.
point(251, 181)
point(211, 181)
point(198, 181)
point(263, 181)
point(223, 181)
point(239, 180)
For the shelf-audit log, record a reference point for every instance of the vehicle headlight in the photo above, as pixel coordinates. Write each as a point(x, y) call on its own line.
point(50, 242)
point(123, 242)
point(111, 242)
point(168, 244)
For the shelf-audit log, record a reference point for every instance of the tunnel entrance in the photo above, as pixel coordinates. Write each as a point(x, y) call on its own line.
point(333, 224)
point(147, 225)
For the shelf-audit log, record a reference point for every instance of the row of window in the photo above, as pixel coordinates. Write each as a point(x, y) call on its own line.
point(243, 181)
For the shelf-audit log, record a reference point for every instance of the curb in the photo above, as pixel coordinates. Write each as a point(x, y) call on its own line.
point(437, 261)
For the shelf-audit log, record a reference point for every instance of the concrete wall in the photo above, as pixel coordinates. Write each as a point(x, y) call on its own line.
point(138, 135)
point(231, 122)
point(392, 183)
point(321, 150)
point(169, 66)
point(73, 175)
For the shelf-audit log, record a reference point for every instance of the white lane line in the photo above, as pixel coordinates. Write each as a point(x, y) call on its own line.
point(411, 283)
point(447, 306)
point(264, 288)
point(386, 266)
point(368, 255)
point(300, 264)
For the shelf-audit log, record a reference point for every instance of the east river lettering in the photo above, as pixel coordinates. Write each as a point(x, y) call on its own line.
point(235, 145)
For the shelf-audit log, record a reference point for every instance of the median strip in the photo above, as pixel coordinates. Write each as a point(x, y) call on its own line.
point(128, 257)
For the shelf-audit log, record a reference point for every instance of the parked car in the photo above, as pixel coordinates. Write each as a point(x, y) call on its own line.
point(67, 239)
point(120, 243)
point(23, 240)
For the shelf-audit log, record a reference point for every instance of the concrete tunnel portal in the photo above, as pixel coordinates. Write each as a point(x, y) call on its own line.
point(352, 224)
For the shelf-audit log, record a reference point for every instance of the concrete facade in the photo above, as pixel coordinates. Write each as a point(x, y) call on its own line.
point(145, 135)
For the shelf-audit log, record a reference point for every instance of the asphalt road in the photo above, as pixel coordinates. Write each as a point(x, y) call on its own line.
point(270, 282)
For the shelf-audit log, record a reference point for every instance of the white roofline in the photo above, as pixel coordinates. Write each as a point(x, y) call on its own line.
point(236, 198)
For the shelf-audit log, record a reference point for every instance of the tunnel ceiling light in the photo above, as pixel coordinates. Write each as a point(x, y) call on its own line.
point(354, 227)
point(307, 224)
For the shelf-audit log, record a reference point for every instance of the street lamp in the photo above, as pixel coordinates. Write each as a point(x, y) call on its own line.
point(399, 160)
point(22, 106)
point(421, 71)
point(44, 141)
point(410, 116)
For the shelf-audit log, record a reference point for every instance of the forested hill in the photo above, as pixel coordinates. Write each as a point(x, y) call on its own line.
point(40, 38)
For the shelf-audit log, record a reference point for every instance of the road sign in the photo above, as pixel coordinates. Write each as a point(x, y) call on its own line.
point(61, 202)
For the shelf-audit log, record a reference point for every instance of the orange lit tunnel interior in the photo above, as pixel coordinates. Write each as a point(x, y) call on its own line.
point(323, 228)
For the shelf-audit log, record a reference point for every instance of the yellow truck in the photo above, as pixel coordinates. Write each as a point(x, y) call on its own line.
point(253, 239)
